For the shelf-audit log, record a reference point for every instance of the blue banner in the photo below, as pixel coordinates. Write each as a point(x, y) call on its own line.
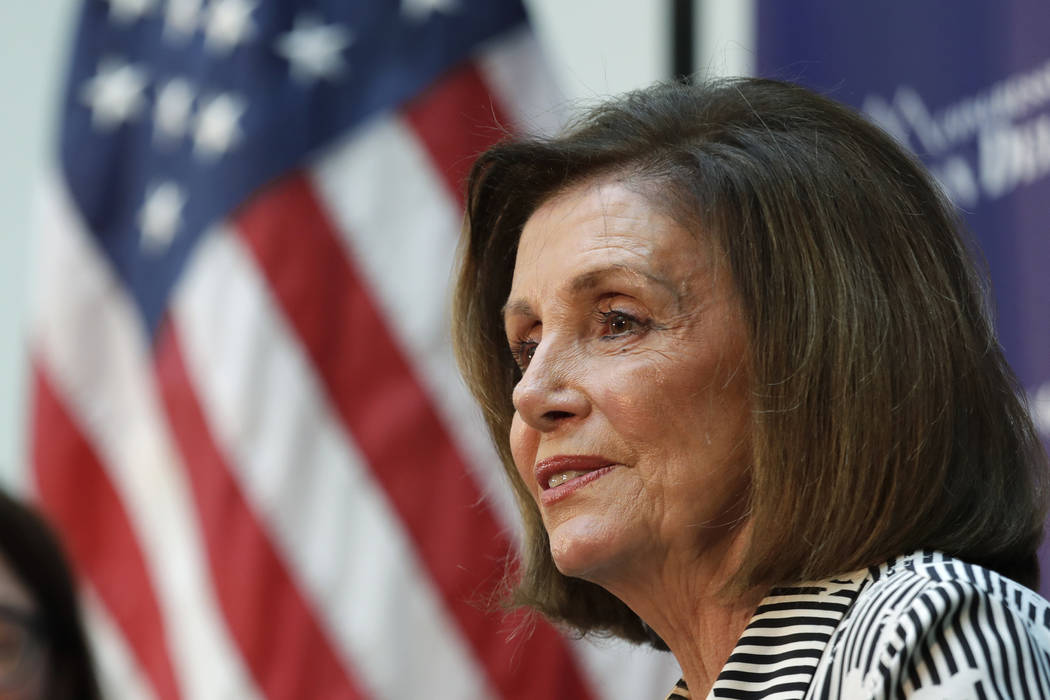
point(966, 86)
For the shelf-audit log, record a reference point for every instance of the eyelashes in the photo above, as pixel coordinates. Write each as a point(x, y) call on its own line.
point(620, 323)
point(523, 349)
point(614, 324)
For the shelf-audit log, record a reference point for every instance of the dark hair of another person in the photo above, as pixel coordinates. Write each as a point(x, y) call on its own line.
point(35, 556)
point(885, 418)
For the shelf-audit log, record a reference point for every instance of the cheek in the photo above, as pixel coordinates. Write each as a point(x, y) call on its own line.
point(635, 397)
point(692, 402)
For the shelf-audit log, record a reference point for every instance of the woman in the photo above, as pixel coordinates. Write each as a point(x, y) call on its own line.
point(44, 653)
point(737, 363)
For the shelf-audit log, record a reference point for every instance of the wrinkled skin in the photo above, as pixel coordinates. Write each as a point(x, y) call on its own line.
point(636, 347)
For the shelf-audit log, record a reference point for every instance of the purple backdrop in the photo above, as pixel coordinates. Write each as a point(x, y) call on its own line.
point(966, 85)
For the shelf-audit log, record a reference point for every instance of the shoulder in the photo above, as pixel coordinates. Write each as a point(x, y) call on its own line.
point(929, 625)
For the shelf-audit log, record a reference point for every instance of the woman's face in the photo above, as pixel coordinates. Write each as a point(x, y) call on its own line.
point(631, 418)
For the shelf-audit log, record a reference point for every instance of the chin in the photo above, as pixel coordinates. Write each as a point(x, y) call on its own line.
point(587, 547)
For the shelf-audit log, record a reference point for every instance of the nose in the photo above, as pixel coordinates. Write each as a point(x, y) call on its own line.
point(549, 394)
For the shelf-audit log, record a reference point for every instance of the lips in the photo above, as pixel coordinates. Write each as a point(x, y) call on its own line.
point(561, 475)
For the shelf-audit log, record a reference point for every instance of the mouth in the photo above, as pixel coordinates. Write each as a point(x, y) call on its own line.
point(559, 476)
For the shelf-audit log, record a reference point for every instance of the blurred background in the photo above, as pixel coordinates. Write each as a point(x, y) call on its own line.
point(594, 48)
point(965, 85)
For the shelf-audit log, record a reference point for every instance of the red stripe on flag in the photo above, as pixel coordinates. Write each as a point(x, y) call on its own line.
point(80, 501)
point(456, 119)
point(393, 423)
point(288, 653)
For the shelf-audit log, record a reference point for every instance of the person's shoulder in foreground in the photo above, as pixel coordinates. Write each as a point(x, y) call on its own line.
point(921, 626)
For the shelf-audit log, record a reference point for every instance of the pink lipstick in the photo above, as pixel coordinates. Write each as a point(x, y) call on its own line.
point(559, 476)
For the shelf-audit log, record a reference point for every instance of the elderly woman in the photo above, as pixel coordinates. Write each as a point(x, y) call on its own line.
point(738, 366)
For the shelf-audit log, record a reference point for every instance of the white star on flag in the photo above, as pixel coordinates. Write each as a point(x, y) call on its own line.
point(181, 18)
point(114, 94)
point(314, 49)
point(229, 23)
point(161, 216)
point(420, 10)
point(171, 113)
point(217, 129)
point(127, 11)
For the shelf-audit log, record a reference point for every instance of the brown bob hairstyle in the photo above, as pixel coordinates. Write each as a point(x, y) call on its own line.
point(885, 418)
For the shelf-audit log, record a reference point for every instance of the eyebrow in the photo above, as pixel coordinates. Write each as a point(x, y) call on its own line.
point(518, 307)
point(590, 280)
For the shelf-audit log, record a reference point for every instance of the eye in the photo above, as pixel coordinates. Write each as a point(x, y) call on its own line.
point(619, 323)
point(523, 349)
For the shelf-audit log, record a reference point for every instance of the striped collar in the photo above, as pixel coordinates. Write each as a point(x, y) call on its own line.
point(782, 644)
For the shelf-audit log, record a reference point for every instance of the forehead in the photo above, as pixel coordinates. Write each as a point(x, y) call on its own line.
point(604, 225)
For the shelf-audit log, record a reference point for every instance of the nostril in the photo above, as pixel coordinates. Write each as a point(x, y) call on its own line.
point(557, 415)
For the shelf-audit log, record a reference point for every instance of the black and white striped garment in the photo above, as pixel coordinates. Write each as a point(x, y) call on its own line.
point(924, 626)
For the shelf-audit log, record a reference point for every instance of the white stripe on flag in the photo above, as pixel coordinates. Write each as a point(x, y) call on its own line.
point(118, 674)
point(515, 70)
point(327, 516)
point(619, 670)
point(94, 349)
point(397, 221)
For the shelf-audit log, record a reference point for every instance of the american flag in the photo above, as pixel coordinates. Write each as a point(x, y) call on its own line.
point(246, 423)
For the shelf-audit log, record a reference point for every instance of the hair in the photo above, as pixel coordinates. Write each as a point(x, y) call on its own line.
point(35, 556)
point(885, 417)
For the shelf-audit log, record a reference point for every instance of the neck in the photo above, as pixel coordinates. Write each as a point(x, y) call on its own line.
point(702, 644)
point(684, 600)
